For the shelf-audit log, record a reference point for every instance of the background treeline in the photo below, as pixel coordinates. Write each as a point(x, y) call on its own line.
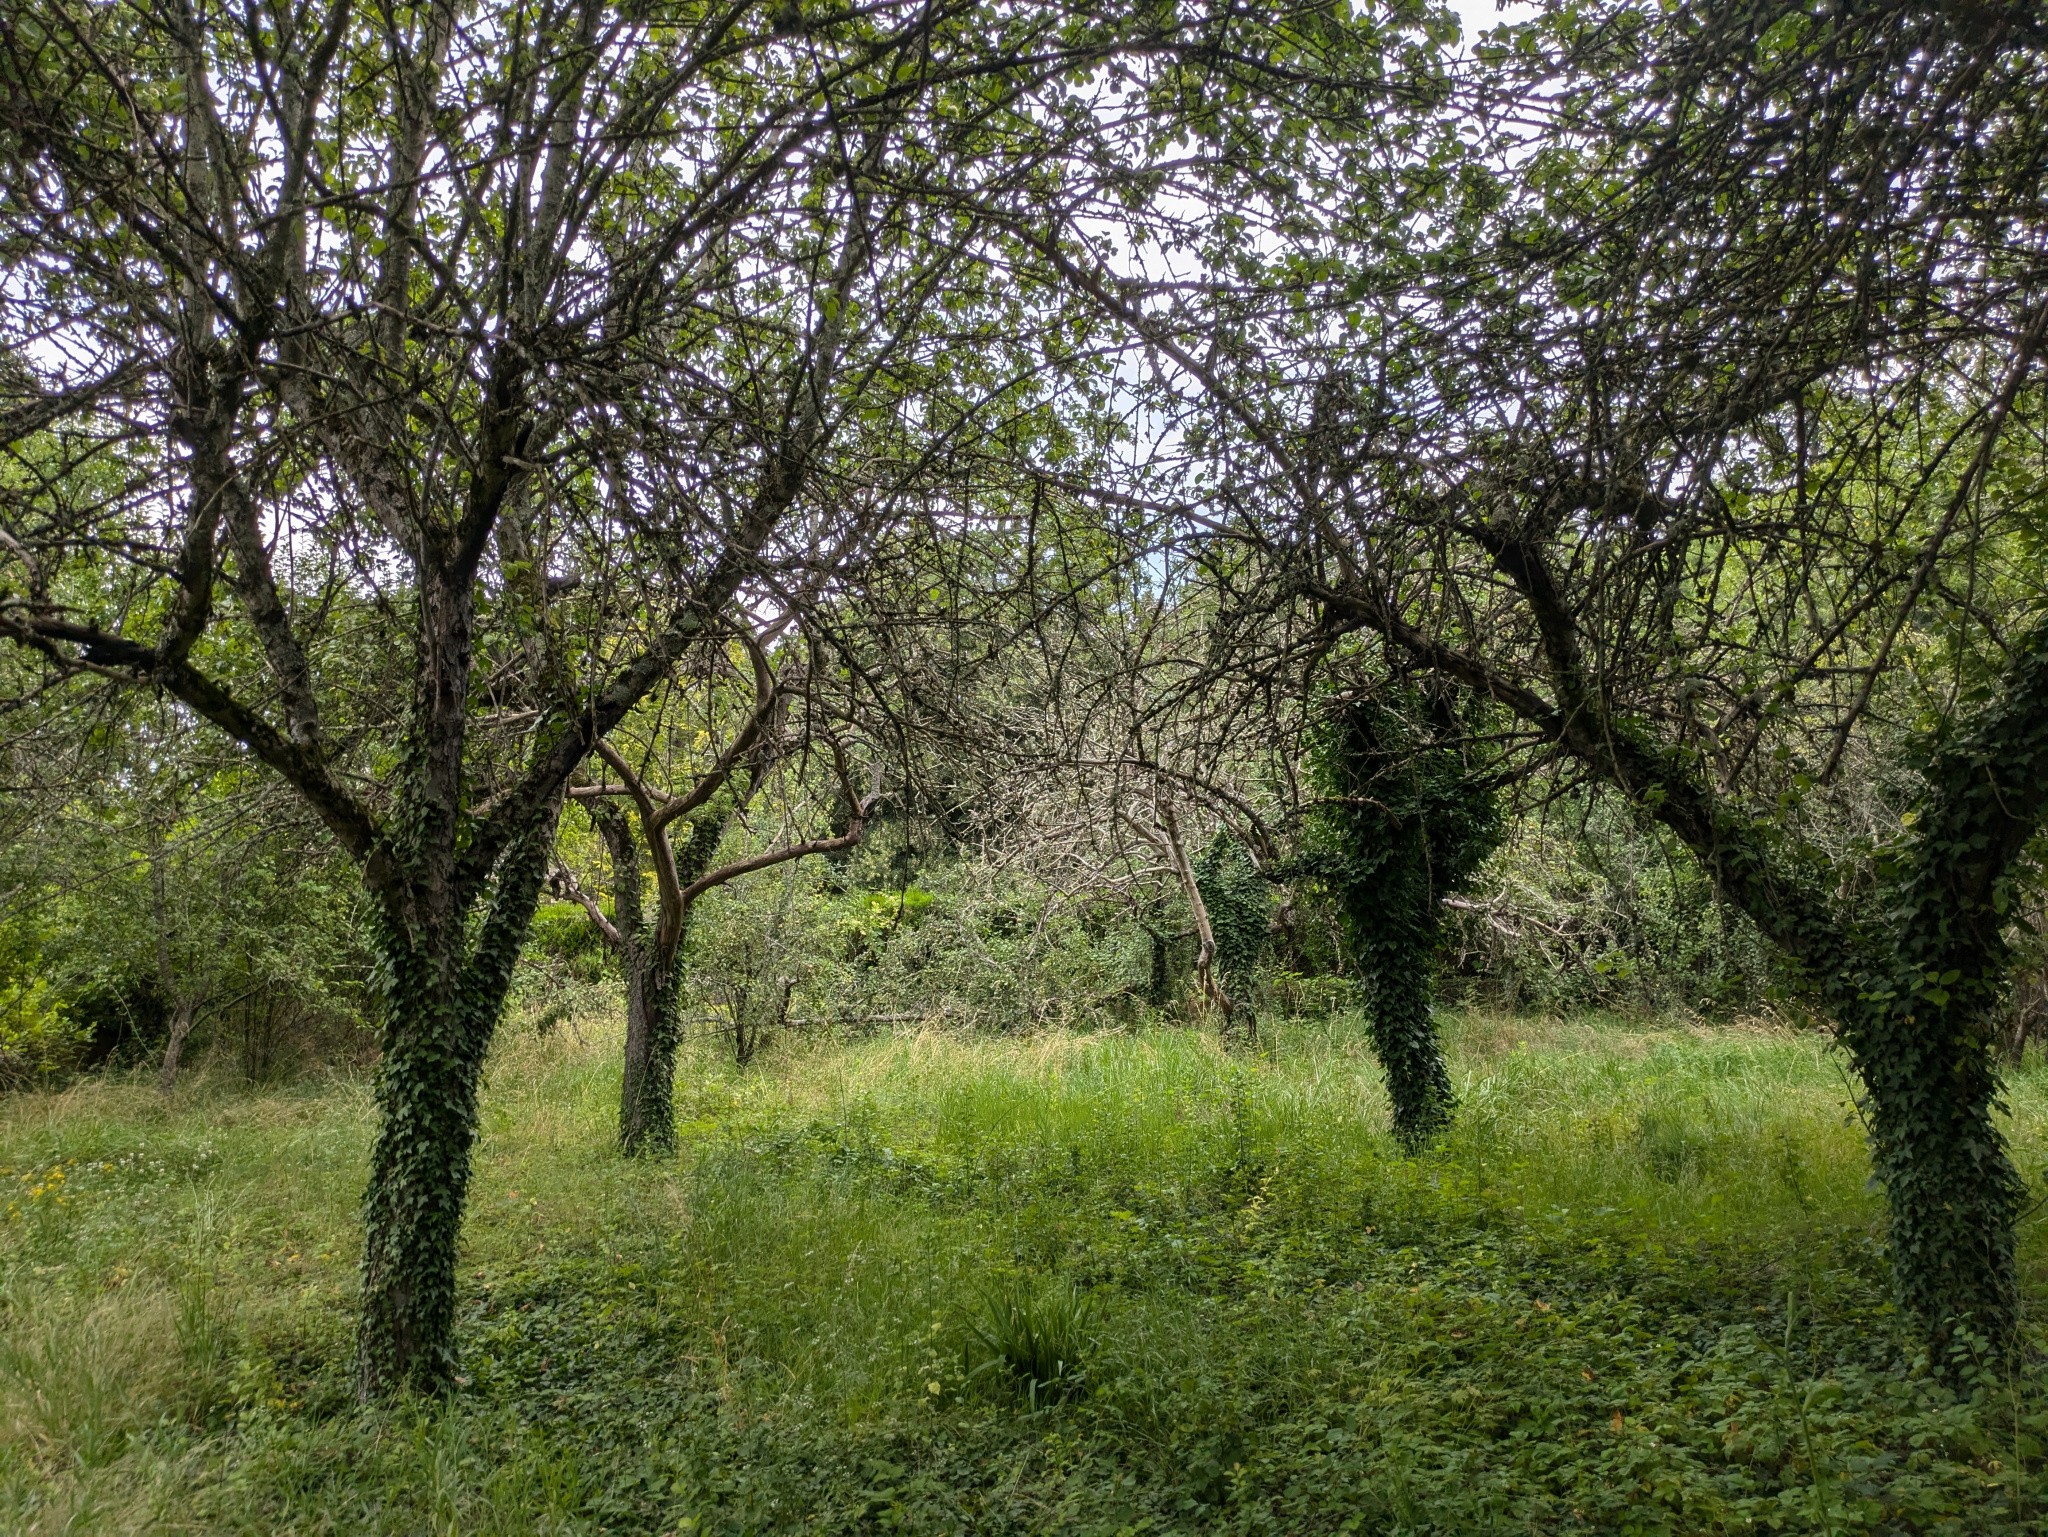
point(165, 904)
point(125, 906)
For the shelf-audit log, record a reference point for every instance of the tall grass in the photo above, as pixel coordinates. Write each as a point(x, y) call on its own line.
point(1640, 1287)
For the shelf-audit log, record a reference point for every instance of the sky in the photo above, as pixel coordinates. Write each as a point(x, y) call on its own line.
point(1484, 15)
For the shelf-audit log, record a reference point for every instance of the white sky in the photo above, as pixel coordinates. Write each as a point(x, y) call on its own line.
point(1484, 15)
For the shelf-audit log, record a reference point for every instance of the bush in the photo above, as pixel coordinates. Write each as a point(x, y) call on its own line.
point(1600, 912)
point(38, 1039)
point(567, 944)
point(123, 1019)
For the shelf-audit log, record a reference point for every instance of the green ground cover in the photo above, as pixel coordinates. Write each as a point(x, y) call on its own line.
point(1071, 1283)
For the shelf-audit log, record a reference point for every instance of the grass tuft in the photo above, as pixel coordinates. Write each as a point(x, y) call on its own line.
point(1031, 1335)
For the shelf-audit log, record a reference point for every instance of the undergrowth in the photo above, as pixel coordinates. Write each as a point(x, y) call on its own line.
point(1117, 1283)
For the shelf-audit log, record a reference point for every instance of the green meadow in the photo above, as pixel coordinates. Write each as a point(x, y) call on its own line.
point(1076, 1283)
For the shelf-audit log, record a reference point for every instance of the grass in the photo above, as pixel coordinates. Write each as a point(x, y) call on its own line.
point(1641, 1289)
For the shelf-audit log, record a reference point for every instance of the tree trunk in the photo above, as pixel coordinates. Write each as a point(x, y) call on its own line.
point(639, 1044)
point(183, 1014)
point(1404, 1038)
point(1948, 1177)
point(440, 1004)
point(647, 1106)
point(1159, 981)
point(647, 1120)
point(1167, 838)
point(419, 1176)
point(647, 1115)
point(1913, 987)
point(2023, 1017)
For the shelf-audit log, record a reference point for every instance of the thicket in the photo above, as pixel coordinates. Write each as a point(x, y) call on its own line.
point(160, 905)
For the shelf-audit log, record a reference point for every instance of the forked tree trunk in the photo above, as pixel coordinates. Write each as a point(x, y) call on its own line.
point(183, 1015)
point(439, 999)
point(650, 955)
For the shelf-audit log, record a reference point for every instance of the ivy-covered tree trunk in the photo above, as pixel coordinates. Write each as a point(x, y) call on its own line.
point(640, 970)
point(1913, 989)
point(1399, 995)
point(647, 1097)
point(1912, 982)
point(1237, 913)
point(1159, 975)
point(1947, 1174)
point(1919, 1015)
point(440, 995)
point(652, 974)
point(1405, 821)
point(650, 960)
point(636, 965)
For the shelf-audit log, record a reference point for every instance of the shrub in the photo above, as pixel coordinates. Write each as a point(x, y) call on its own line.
point(38, 1039)
point(565, 942)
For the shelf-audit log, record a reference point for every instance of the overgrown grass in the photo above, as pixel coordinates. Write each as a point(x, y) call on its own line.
point(1640, 1289)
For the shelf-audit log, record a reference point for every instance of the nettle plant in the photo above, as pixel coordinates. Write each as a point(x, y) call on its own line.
point(1406, 815)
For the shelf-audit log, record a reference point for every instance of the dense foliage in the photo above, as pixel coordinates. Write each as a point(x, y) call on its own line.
point(1239, 909)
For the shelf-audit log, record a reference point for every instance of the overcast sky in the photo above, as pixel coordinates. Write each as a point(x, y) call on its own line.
point(1483, 15)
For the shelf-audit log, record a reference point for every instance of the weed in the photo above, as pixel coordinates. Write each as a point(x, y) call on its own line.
point(1033, 1336)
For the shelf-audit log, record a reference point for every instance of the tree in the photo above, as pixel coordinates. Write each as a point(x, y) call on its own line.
point(1671, 380)
point(1237, 909)
point(1759, 451)
point(649, 954)
point(171, 888)
point(1686, 436)
point(530, 330)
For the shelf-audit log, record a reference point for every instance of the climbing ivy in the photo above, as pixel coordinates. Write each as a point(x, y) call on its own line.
point(1405, 819)
point(1911, 971)
point(1240, 912)
point(647, 1120)
point(444, 966)
point(1916, 1013)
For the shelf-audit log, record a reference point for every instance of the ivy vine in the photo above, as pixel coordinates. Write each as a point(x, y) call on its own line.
point(1406, 817)
point(1240, 913)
